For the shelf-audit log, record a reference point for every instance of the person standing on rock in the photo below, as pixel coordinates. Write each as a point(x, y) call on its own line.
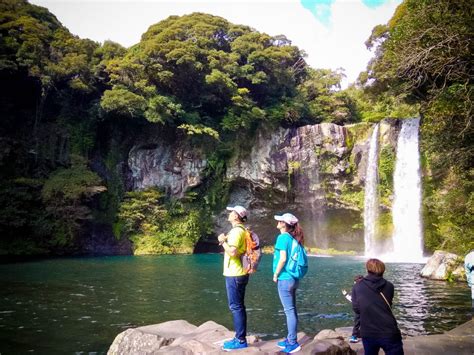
point(236, 278)
point(287, 285)
point(469, 268)
point(372, 301)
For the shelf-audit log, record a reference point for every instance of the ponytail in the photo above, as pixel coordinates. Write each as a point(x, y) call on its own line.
point(296, 232)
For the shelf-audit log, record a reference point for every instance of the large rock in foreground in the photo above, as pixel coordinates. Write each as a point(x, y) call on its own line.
point(444, 266)
point(181, 337)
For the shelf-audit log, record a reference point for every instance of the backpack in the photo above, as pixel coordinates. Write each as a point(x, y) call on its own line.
point(297, 265)
point(251, 257)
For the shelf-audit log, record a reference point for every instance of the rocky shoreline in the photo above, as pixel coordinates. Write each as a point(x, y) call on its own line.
point(182, 337)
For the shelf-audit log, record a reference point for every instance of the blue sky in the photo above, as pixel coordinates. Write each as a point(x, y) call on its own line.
point(331, 32)
point(321, 9)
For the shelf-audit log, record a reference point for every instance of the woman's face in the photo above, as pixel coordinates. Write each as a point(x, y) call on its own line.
point(280, 225)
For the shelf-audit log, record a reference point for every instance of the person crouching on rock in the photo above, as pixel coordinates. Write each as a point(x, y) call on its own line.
point(356, 328)
point(236, 278)
point(372, 301)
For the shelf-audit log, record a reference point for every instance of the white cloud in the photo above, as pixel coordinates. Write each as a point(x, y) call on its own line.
point(340, 45)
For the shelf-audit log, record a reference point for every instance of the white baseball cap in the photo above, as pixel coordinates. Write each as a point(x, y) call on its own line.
point(288, 218)
point(241, 211)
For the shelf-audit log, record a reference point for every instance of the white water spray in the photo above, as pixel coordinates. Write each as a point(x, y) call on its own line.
point(408, 235)
point(371, 201)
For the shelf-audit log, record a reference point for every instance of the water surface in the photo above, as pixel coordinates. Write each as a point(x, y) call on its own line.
point(80, 304)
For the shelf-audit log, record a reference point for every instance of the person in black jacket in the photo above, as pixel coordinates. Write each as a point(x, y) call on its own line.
point(372, 301)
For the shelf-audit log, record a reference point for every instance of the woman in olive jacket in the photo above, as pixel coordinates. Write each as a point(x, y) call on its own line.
point(372, 301)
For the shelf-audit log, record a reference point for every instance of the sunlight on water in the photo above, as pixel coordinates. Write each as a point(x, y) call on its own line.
point(80, 305)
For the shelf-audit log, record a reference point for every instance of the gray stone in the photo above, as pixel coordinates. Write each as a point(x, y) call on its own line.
point(174, 168)
point(443, 265)
point(181, 337)
point(344, 332)
point(457, 341)
point(327, 334)
point(171, 329)
point(328, 347)
point(133, 341)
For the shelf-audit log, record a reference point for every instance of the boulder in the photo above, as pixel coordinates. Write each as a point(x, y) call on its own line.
point(181, 337)
point(174, 337)
point(335, 346)
point(444, 266)
point(328, 334)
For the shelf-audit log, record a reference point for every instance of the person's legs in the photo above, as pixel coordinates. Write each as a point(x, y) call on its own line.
point(235, 287)
point(287, 293)
point(356, 328)
point(371, 346)
point(391, 346)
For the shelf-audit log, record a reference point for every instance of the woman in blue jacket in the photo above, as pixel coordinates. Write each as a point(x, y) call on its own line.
point(287, 285)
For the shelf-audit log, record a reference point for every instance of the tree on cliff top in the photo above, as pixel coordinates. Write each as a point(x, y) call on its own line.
point(424, 54)
point(201, 69)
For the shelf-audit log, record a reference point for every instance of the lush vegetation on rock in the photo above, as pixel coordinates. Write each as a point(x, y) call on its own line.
point(72, 109)
point(424, 57)
point(157, 228)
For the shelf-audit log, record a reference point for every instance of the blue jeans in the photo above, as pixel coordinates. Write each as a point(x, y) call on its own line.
point(287, 293)
point(389, 345)
point(235, 286)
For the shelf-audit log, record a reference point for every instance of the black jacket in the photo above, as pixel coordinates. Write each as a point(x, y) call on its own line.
point(376, 317)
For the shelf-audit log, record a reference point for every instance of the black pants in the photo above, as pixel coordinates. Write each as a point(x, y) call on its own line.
point(389, 345)
point(356, 328)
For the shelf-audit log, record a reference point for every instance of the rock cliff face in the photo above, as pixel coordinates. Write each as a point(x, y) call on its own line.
point(315, 171)
point(175, 168)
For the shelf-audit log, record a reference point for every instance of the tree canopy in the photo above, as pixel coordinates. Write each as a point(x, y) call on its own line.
point(201, 69)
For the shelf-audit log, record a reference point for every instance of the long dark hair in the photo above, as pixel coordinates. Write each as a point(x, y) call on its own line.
point(296, 232)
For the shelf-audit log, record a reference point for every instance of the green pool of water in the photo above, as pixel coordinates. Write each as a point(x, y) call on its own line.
point(75, 305)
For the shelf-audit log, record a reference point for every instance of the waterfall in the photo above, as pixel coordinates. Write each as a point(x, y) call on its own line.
point(407, 236)
point(371, 202)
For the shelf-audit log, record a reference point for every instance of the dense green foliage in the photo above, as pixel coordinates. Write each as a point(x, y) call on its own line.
point(70, 106)
point(424, 56)
point(200, 70)
point(71, 110)
point(159, 229)
point(48, 102)
point(43, 215)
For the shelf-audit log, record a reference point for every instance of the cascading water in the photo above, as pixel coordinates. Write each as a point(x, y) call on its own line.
point(371, 202)
point(407, 236)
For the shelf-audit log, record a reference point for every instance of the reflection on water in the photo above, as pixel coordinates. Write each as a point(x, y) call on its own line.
point(73, 305)
point(427, 306)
